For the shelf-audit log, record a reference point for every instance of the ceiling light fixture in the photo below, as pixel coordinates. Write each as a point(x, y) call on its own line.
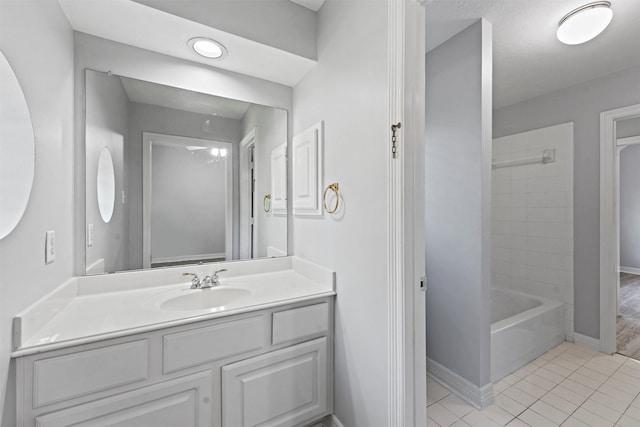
point(584, 23)
point(208, 48)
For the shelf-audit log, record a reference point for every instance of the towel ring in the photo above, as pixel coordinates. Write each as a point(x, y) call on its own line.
point(266, 203)
point(335, 188)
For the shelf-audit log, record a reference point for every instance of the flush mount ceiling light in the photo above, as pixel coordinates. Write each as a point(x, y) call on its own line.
point(207, 47)
point(585, 23)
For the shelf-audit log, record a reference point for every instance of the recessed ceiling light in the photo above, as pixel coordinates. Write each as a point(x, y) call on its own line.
point(207, 47)
point(585, 22)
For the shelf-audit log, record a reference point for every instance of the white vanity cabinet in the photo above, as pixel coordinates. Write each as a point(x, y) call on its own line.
point(271, 367)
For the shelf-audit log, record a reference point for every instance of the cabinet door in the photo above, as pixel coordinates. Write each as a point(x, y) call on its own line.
point(283, 388)
point(183, 402)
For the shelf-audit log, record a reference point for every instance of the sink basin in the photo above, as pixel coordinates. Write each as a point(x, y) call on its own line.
point(204, 299)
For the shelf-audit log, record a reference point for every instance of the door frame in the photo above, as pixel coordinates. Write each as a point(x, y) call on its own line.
point(609, 223)
point(147, 139)
point(248, 142)
point(407, 371)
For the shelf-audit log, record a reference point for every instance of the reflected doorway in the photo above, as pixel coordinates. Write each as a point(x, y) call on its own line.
point(628, 316)
point(188, 200)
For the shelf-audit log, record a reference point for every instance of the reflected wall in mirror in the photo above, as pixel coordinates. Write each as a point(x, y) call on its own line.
point(190, 172)
point(16, 150)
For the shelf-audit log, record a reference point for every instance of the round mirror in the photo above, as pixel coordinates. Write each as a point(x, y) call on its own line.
point(16, 150)
point(106, 185)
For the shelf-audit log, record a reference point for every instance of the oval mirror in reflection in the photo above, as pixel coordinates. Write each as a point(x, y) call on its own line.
point(106, 185)
point(16, 150)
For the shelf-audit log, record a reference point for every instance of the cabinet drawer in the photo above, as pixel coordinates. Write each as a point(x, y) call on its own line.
point(284, 388)
point(72, 375)
point(299, 323)
point(184, 402)
point(204, 345)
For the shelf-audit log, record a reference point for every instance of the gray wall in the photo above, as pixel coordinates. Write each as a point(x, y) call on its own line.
point(37, 41)
point(107, 126)
point(348, 89)
point(581, 104)
point(630, 207)
point(187, 203)
point(271, 132)
point(458, 197)
point(151, 118)
point(279, 23)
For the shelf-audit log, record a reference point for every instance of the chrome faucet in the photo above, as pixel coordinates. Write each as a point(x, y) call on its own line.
point(207, 282)
point(195, 282)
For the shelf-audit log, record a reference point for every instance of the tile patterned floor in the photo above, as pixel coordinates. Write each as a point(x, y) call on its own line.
point(570, 386)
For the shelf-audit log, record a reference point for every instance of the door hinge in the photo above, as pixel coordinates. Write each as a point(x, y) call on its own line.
point(394, 143)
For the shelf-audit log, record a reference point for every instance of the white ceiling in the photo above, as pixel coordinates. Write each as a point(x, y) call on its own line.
point(314, 5)
point(135, 24)
point(181, 99)
point(529, 60)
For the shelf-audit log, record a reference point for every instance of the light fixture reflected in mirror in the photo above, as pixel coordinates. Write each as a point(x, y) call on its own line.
point(584, 23)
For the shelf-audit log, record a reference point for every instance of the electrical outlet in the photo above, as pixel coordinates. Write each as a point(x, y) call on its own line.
point(50, 247)
point(89, 235)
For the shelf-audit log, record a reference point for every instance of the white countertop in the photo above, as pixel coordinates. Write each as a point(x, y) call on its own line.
point(87, 311)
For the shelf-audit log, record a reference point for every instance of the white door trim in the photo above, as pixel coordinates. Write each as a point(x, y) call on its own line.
point(246, 144)
point(406, 303)
point(609, 235)
point(147, 138)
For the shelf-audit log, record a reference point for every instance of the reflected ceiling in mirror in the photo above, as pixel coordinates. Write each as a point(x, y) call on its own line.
point(190, 170)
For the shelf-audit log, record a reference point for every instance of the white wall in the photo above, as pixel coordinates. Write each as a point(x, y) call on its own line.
point(107, 126)
point(458, 201)
point(630, 207)
point(348, 89)
point(582, 105)
point(532, 217)
point(168, 121)
point(38, 43)
point(187, 203)
point(104, 55)
point(271, 132)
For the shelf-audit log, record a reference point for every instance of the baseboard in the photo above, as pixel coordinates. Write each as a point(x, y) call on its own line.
point(630, 270)
point(333, 421)
point(592, 343)
point(480, 397)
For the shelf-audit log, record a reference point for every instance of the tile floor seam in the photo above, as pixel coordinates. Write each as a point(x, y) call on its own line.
point(616, 386)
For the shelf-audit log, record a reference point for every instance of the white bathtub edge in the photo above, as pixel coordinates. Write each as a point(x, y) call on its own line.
point(585, 341)
point(480, 397)
point(526, 315)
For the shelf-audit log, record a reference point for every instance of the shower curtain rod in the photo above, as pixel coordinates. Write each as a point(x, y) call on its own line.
point(548, 156)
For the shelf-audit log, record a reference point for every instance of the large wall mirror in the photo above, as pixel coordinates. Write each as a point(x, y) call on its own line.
point(190, 172)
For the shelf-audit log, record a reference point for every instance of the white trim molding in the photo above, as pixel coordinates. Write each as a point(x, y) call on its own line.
point(585, 341)
point(630, 270)
point(397, 338)
point(480, 397)
point(333, 421)
point(609, 234)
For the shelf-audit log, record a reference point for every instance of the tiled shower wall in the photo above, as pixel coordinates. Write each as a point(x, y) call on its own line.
point(532, 217)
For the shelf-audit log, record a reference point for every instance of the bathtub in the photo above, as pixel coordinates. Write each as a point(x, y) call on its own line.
point(523, 327)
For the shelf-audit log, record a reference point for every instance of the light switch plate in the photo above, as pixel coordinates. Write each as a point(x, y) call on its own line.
point(89, 235)
point(50, 247)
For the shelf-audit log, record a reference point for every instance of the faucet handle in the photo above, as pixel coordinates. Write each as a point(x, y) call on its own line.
point(195, 282)
point(216, 278)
